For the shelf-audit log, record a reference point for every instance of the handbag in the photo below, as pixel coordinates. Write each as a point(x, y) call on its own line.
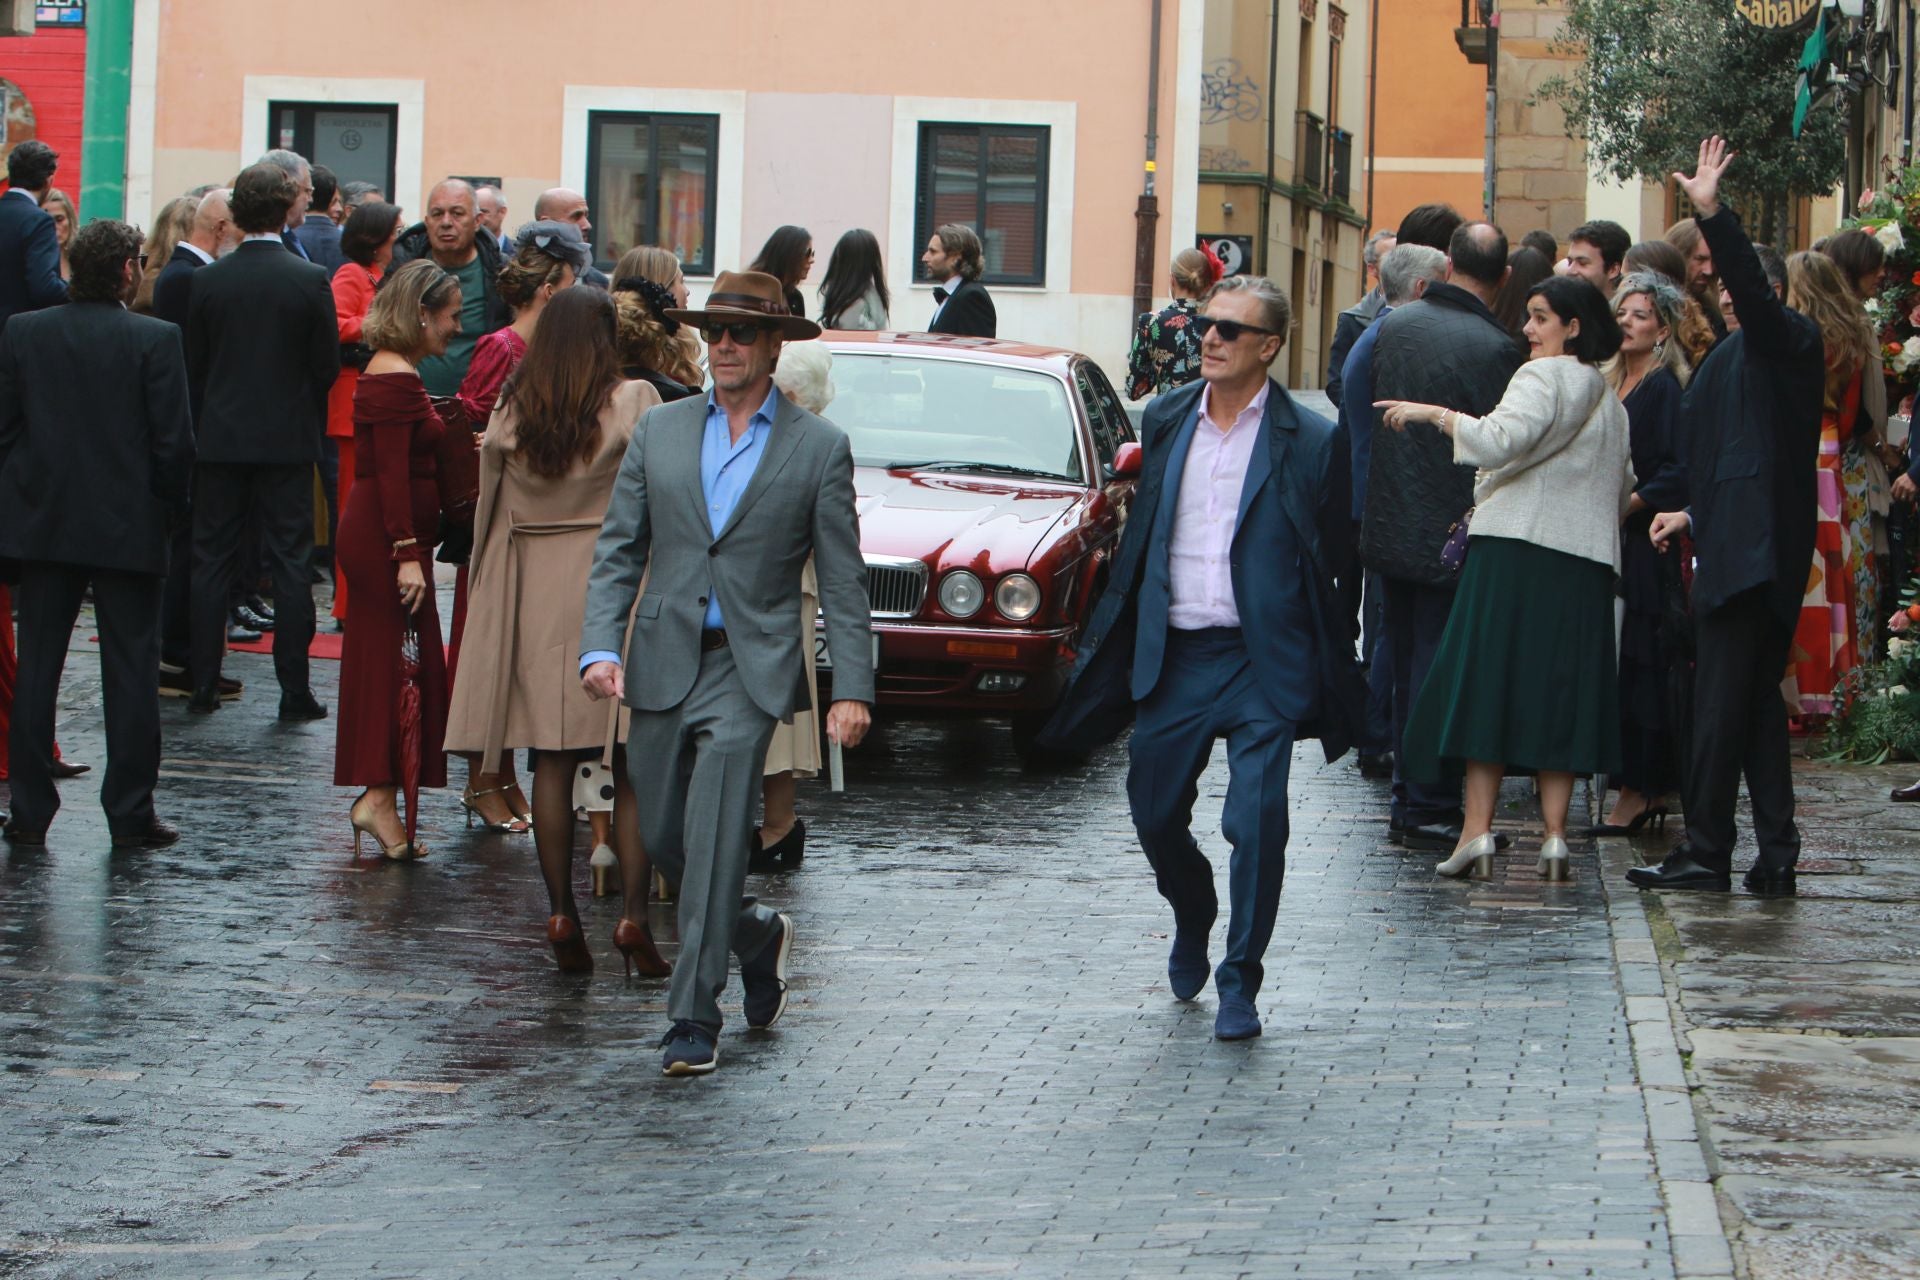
point(457, 473)
point(1453, 552)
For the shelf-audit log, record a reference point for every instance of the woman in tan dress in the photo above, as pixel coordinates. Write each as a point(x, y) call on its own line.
point(547, 465)
point(804, 377)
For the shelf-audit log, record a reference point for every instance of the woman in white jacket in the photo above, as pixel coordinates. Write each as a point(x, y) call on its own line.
point(1525, 675)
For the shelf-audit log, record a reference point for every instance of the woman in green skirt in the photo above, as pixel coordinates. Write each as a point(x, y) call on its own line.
point(1525, 674)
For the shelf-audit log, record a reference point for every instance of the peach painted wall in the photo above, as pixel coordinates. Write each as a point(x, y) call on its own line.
point(1429, 113)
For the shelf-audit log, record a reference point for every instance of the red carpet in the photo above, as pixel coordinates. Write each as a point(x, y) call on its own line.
point(326, 644)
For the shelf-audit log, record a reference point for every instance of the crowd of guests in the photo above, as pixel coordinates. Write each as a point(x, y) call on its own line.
point(1587, 543)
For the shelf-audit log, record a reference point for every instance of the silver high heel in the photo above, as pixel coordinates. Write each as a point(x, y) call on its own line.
point(1555, 863)
point(1475, 857)
point(604, 864)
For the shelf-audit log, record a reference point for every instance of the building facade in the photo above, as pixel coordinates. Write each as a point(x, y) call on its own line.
point(43, 88)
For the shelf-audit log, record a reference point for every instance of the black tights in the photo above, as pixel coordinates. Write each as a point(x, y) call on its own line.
point(553, 832)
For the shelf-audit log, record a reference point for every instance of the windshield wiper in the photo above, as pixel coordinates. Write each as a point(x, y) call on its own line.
point(995, 468)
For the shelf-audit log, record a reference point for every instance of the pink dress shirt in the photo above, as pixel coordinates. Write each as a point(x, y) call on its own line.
point(1201, 589)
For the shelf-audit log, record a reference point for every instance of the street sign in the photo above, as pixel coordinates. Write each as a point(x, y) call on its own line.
point(60, 13)
point(1776, 15)
point(1235, 252)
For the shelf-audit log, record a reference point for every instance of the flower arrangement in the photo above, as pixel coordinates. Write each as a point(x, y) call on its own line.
point(1892, 215)
point(1877, 707)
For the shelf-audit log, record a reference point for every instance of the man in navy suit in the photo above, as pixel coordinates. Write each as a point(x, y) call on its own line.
point(1221, 621)
point(29, 249)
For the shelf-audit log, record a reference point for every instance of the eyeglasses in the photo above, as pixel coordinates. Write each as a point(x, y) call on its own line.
point(1229, 330)
point(140, 258)
point(744, 335)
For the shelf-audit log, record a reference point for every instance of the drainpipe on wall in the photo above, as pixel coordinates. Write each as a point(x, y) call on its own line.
point(1146, 215)
point(1266, 192)
point(103, 146)
point(1492, 19)
point(1373, 103)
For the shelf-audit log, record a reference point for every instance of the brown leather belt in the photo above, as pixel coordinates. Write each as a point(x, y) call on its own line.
point(711, 640)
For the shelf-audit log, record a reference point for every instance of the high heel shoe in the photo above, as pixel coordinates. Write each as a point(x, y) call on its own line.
point(636, 948)
point(1555, 859)
point(517, 803)
point(512, 826)
point(569, 948)
point(1654, 814)
point(399, 851)
point(604, 864)
point(1475, 857)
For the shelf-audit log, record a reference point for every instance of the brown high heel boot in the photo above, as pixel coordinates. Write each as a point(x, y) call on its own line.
point(636, 947)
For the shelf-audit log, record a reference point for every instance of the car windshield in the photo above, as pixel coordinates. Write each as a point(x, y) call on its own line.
point(904, 411)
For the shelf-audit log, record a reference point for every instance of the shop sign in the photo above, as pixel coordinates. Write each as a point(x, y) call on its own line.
point(60, 13)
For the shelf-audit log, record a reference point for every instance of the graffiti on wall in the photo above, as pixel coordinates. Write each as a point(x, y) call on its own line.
point(1227, 92)
point(1223, 160)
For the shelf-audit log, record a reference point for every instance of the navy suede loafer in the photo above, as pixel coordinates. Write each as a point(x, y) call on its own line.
point(1187, 966)
point(763, 979)
point(1236, 1020)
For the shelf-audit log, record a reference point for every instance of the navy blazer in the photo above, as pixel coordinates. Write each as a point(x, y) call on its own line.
point(29, 257)
point(1302, 500)
point(174, 289)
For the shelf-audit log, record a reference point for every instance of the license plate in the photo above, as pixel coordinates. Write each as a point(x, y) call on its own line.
point(823, 659)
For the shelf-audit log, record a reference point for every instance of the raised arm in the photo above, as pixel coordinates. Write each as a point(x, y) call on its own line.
point(1763, 316)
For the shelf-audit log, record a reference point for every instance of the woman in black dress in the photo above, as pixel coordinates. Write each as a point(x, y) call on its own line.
point(1649, 375)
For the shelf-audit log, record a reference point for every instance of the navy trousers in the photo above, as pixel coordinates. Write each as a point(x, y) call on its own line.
point(1207, 691)
point(1377, 661)
point(1416, 619)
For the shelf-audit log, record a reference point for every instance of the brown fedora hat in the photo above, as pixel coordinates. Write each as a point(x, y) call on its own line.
point(749, 295)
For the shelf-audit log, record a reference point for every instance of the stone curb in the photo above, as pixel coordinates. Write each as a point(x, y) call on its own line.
point(1699, 1238)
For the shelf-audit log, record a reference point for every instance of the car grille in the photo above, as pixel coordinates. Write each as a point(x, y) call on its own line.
point(894, 589)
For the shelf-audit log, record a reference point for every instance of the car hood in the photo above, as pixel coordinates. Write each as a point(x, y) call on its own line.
point(986, 523)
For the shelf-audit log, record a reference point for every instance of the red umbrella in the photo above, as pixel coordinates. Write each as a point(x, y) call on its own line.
point(409, 705)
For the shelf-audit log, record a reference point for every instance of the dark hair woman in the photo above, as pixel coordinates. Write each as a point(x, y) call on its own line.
point(1525, 269)
point(367, 244)
point(550, 456)
point(387, 531)
point(1525, 673)
point(854, 294)
point(787, 256)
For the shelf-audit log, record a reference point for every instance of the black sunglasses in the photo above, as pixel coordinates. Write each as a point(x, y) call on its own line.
point(1230, 330)
point(744, 335)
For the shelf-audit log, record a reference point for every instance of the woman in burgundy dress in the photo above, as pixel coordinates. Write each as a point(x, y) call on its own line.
point(387, 532)
point(547, 257)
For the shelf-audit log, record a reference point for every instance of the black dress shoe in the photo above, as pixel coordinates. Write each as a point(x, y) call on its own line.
point(69, 769)
point(14, 833)
point(237, 634)
point(1765, 882)
point(1376, 764)
point(155, 835)
point(1907, 794)
point(1680, 871)
point(205, 701)
point(252, 621)
point(302, 706)
point(258, 605)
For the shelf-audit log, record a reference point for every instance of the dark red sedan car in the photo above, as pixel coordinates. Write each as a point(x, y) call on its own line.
point(993, 478)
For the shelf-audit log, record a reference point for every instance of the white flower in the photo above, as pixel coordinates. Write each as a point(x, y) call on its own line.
point(1895, 690)
point(1890, 237)
point(1897, 647)
point(1874, 308)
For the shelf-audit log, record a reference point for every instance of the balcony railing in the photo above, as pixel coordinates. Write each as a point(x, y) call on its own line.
point(1339, 179)
point(1309, 151)
point(1475, 34)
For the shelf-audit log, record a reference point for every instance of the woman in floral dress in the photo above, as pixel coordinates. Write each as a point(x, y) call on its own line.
point(1166, 352)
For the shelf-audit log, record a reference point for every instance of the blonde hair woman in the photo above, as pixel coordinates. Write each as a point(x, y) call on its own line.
point(172, 225)
point(651, 262)
point(1648, 375)
point(1826, 640)
point(804, 376)
point(1166, 351)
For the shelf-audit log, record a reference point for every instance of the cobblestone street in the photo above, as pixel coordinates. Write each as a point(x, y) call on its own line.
point(247, 1056)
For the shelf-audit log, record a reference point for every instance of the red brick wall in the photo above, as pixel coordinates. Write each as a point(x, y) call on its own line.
point(50, 67)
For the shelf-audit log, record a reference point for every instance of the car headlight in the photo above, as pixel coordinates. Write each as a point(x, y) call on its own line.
point(1017, 597)
point(961, 594)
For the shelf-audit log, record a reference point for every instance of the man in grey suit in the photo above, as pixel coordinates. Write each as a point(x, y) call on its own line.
point(720, 501)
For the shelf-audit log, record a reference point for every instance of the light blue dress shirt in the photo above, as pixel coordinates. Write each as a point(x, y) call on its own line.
point(726, 468)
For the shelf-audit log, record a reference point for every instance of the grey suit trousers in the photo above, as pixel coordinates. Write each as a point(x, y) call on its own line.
point(696, 777)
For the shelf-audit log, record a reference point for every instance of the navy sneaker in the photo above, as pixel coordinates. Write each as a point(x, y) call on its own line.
point(690, 1050)
point(1187, 966)
point(1236, 1020)
point(763, 979)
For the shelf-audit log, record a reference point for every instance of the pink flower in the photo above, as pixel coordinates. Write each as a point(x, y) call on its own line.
point(1866, 198)
point(1899, 621)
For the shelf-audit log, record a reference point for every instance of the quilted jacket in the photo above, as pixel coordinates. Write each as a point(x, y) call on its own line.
point(1445, 349)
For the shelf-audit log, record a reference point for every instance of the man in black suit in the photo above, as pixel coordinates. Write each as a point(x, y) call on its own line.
point(29, 248)
point(262, 350)
point(212, 236)
point(962, 304)
point(1751, 426)
point(317, 232)
point(96, 447)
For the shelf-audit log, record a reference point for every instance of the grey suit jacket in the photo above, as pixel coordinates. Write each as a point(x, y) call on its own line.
point(798, 503)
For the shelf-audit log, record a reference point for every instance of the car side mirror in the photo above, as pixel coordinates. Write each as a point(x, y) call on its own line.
point(1126, 462)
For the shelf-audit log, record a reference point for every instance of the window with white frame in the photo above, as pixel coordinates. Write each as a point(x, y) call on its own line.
point(652, 179)
point(993, 178)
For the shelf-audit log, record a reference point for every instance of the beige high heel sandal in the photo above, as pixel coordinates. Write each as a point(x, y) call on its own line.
point(399, 851)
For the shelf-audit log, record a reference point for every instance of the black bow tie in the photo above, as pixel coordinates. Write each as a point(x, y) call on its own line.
point(940, 295)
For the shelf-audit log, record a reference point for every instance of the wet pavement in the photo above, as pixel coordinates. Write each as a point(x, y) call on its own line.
point(249, 1056)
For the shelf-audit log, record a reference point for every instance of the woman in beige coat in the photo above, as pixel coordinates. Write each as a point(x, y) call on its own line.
point(547, 466)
